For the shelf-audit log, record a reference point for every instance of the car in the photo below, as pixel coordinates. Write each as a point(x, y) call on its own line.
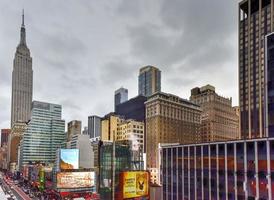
point(11, 187)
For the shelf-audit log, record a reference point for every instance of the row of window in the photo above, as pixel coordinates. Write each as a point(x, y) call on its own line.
point(218, 170)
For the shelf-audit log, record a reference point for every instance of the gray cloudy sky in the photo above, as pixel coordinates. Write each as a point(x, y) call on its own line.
point(83, 50)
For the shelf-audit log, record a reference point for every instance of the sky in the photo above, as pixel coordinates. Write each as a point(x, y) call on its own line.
point(84, 50)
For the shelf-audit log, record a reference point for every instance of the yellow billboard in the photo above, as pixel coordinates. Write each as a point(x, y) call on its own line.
point(67, 180)
point(135, 184)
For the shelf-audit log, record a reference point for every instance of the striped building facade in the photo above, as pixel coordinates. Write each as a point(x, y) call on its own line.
point(242, 169)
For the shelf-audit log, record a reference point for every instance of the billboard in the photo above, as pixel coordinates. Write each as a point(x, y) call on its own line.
point(26, 172)
point(69, 159)
point(41, 179)
point(72, 180)
point(134, 184)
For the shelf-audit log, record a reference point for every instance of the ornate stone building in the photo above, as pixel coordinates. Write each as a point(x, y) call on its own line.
point(169, 119)
point(219, 119)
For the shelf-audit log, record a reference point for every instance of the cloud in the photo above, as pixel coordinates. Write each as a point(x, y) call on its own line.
point(190, 39)
point(118, 70)
point(84, 50)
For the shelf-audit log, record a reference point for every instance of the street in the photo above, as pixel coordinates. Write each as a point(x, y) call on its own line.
point(10, 191)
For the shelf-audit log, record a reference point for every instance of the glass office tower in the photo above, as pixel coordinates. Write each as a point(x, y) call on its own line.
point(149, 80)
point(45, 133)
point(109, 165)
point(120, 96)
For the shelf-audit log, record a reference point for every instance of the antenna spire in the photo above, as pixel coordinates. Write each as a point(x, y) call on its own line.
point(23, 18)
point(23, 31)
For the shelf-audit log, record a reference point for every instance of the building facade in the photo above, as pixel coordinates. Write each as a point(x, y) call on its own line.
point(241, 169)
point(255, 22)
point(96, 152)
point(4, 136)
point(74, 128)
point(85, 131)
point(3, 157)
point(219, 119)
point(86, 155)
point(14, 139)
point(94, 127)
point(120, 96)
point(22, 81)
point(169, 119)
point(45, 133)
point(133, 131)
point(269, 86)
point(133, 108)
point(118, 155)
point(238, 113)
point(109, 125)
point(149, 80)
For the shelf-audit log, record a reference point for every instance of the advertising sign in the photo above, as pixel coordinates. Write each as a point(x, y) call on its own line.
point(42, 179)
point(67, 180)
point(33, 171)
point(135, 184)
point(69, 159)
point(25, 172)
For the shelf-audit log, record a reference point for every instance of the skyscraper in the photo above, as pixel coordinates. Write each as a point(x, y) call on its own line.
point(74, 128)
point(22, 80)
point(134, 108)
point(269, 86)
point(121, 95)
point(169, 119)
point(45, 133)
point(149, 80)
point(94, 127)
point(219, 119)
point(255, 22)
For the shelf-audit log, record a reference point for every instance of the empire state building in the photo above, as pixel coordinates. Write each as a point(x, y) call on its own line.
point(22, 81)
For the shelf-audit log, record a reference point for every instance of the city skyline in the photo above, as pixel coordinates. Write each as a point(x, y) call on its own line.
point(86, 71)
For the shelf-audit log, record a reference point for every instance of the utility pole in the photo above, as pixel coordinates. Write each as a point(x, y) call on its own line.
point(113, 169)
